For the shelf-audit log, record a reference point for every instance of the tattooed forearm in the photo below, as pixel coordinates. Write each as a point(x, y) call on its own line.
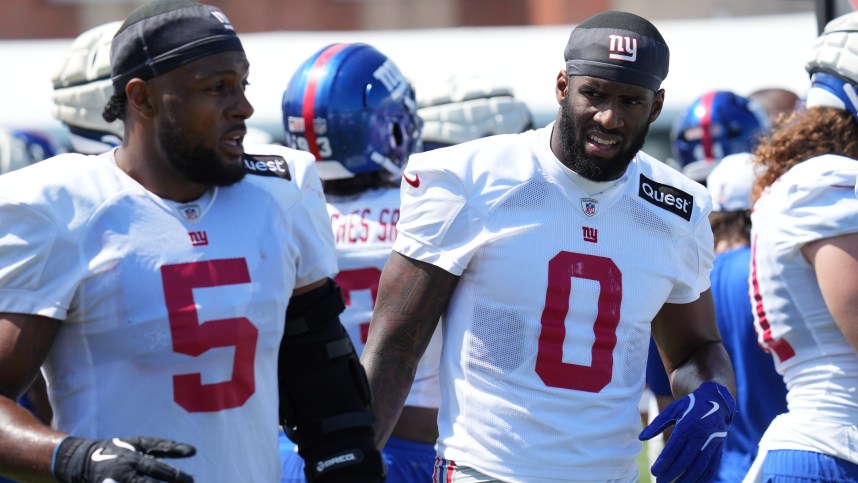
point(411, 298)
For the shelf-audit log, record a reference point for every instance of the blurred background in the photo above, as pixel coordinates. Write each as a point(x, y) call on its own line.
point(738, 45)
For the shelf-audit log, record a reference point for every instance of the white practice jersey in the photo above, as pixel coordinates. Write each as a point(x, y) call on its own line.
point(172, 314)
point(364, 231)
point(814, 200)
point(545, 339)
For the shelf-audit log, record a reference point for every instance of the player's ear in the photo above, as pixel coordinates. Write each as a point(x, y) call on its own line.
point(657, 105)
point(139, 97)
point(561, 87)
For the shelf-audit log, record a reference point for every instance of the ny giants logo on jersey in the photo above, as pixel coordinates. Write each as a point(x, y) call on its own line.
point(666, 197)
point(274, 166)
point(623, 48)
point(590, 234)
point(198, 238)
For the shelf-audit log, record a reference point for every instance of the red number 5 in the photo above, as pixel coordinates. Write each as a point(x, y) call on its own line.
point(549, 359)
point(193, 338)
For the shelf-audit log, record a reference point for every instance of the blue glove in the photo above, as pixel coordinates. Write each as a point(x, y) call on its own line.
point(694, 449)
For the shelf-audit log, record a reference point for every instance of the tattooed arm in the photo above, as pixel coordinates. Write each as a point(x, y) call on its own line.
point(412, 295)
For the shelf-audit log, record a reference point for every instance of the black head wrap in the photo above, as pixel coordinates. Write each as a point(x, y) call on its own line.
point(166, 34)
point(618, 46)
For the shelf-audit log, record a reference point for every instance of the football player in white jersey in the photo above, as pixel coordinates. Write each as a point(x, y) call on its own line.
point(550, 256)
point(175, 289)
point(361, 144)
point(803, 263)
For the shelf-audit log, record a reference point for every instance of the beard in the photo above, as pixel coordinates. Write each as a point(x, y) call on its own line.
point(193, 161)
point(576, 159)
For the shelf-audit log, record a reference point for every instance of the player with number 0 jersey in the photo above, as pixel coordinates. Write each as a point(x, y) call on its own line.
point(552, 308)
point(551, 256)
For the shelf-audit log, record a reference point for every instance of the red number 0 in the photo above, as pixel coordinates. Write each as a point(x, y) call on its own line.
point(193, 338)
point(549, 360)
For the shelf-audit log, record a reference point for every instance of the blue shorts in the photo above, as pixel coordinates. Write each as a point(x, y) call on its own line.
point(794, 466)
point(656, 376)
point(409, 461)
point(290, 461)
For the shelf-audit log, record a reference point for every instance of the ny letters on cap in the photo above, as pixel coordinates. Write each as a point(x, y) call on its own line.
point(618, 46)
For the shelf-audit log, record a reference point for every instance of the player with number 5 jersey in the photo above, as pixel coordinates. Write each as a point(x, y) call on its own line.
point(176, 291)
point(168, 304)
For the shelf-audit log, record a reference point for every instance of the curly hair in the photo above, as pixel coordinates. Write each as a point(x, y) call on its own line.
point(115, 108)
point(804, 135)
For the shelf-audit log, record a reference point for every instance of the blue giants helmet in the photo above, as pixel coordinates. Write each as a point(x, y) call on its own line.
point(351, 107)
point(20, 148)
point(716, 124)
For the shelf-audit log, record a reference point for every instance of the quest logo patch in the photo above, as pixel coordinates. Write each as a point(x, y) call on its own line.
point(266, 166)
point(666, 197)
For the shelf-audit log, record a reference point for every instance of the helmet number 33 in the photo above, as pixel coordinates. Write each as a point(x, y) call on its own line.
point(324, 144)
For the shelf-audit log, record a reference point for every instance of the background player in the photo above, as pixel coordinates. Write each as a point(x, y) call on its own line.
point(81, 88)
point(716, 124)
point(804, 251)
point(362, 143)
point(20, 148)
point(760, 391)
point(778, 103)
point(717, 127)
point(351, 107)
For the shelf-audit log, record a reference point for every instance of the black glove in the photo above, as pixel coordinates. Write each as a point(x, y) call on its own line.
point(78, 460)
point(351, 458)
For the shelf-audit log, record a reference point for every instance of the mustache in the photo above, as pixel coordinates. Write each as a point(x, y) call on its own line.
point(597, 129)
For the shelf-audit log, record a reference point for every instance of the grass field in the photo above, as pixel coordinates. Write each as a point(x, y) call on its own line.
point(643, 466)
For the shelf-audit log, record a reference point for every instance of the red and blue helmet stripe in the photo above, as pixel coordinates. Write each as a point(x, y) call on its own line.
point(349, 105)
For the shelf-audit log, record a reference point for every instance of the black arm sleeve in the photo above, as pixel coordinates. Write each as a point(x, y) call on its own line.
point(324, 395)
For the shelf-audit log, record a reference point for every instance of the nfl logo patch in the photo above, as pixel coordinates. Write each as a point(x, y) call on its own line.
point(190, 212)
point(589, 206)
